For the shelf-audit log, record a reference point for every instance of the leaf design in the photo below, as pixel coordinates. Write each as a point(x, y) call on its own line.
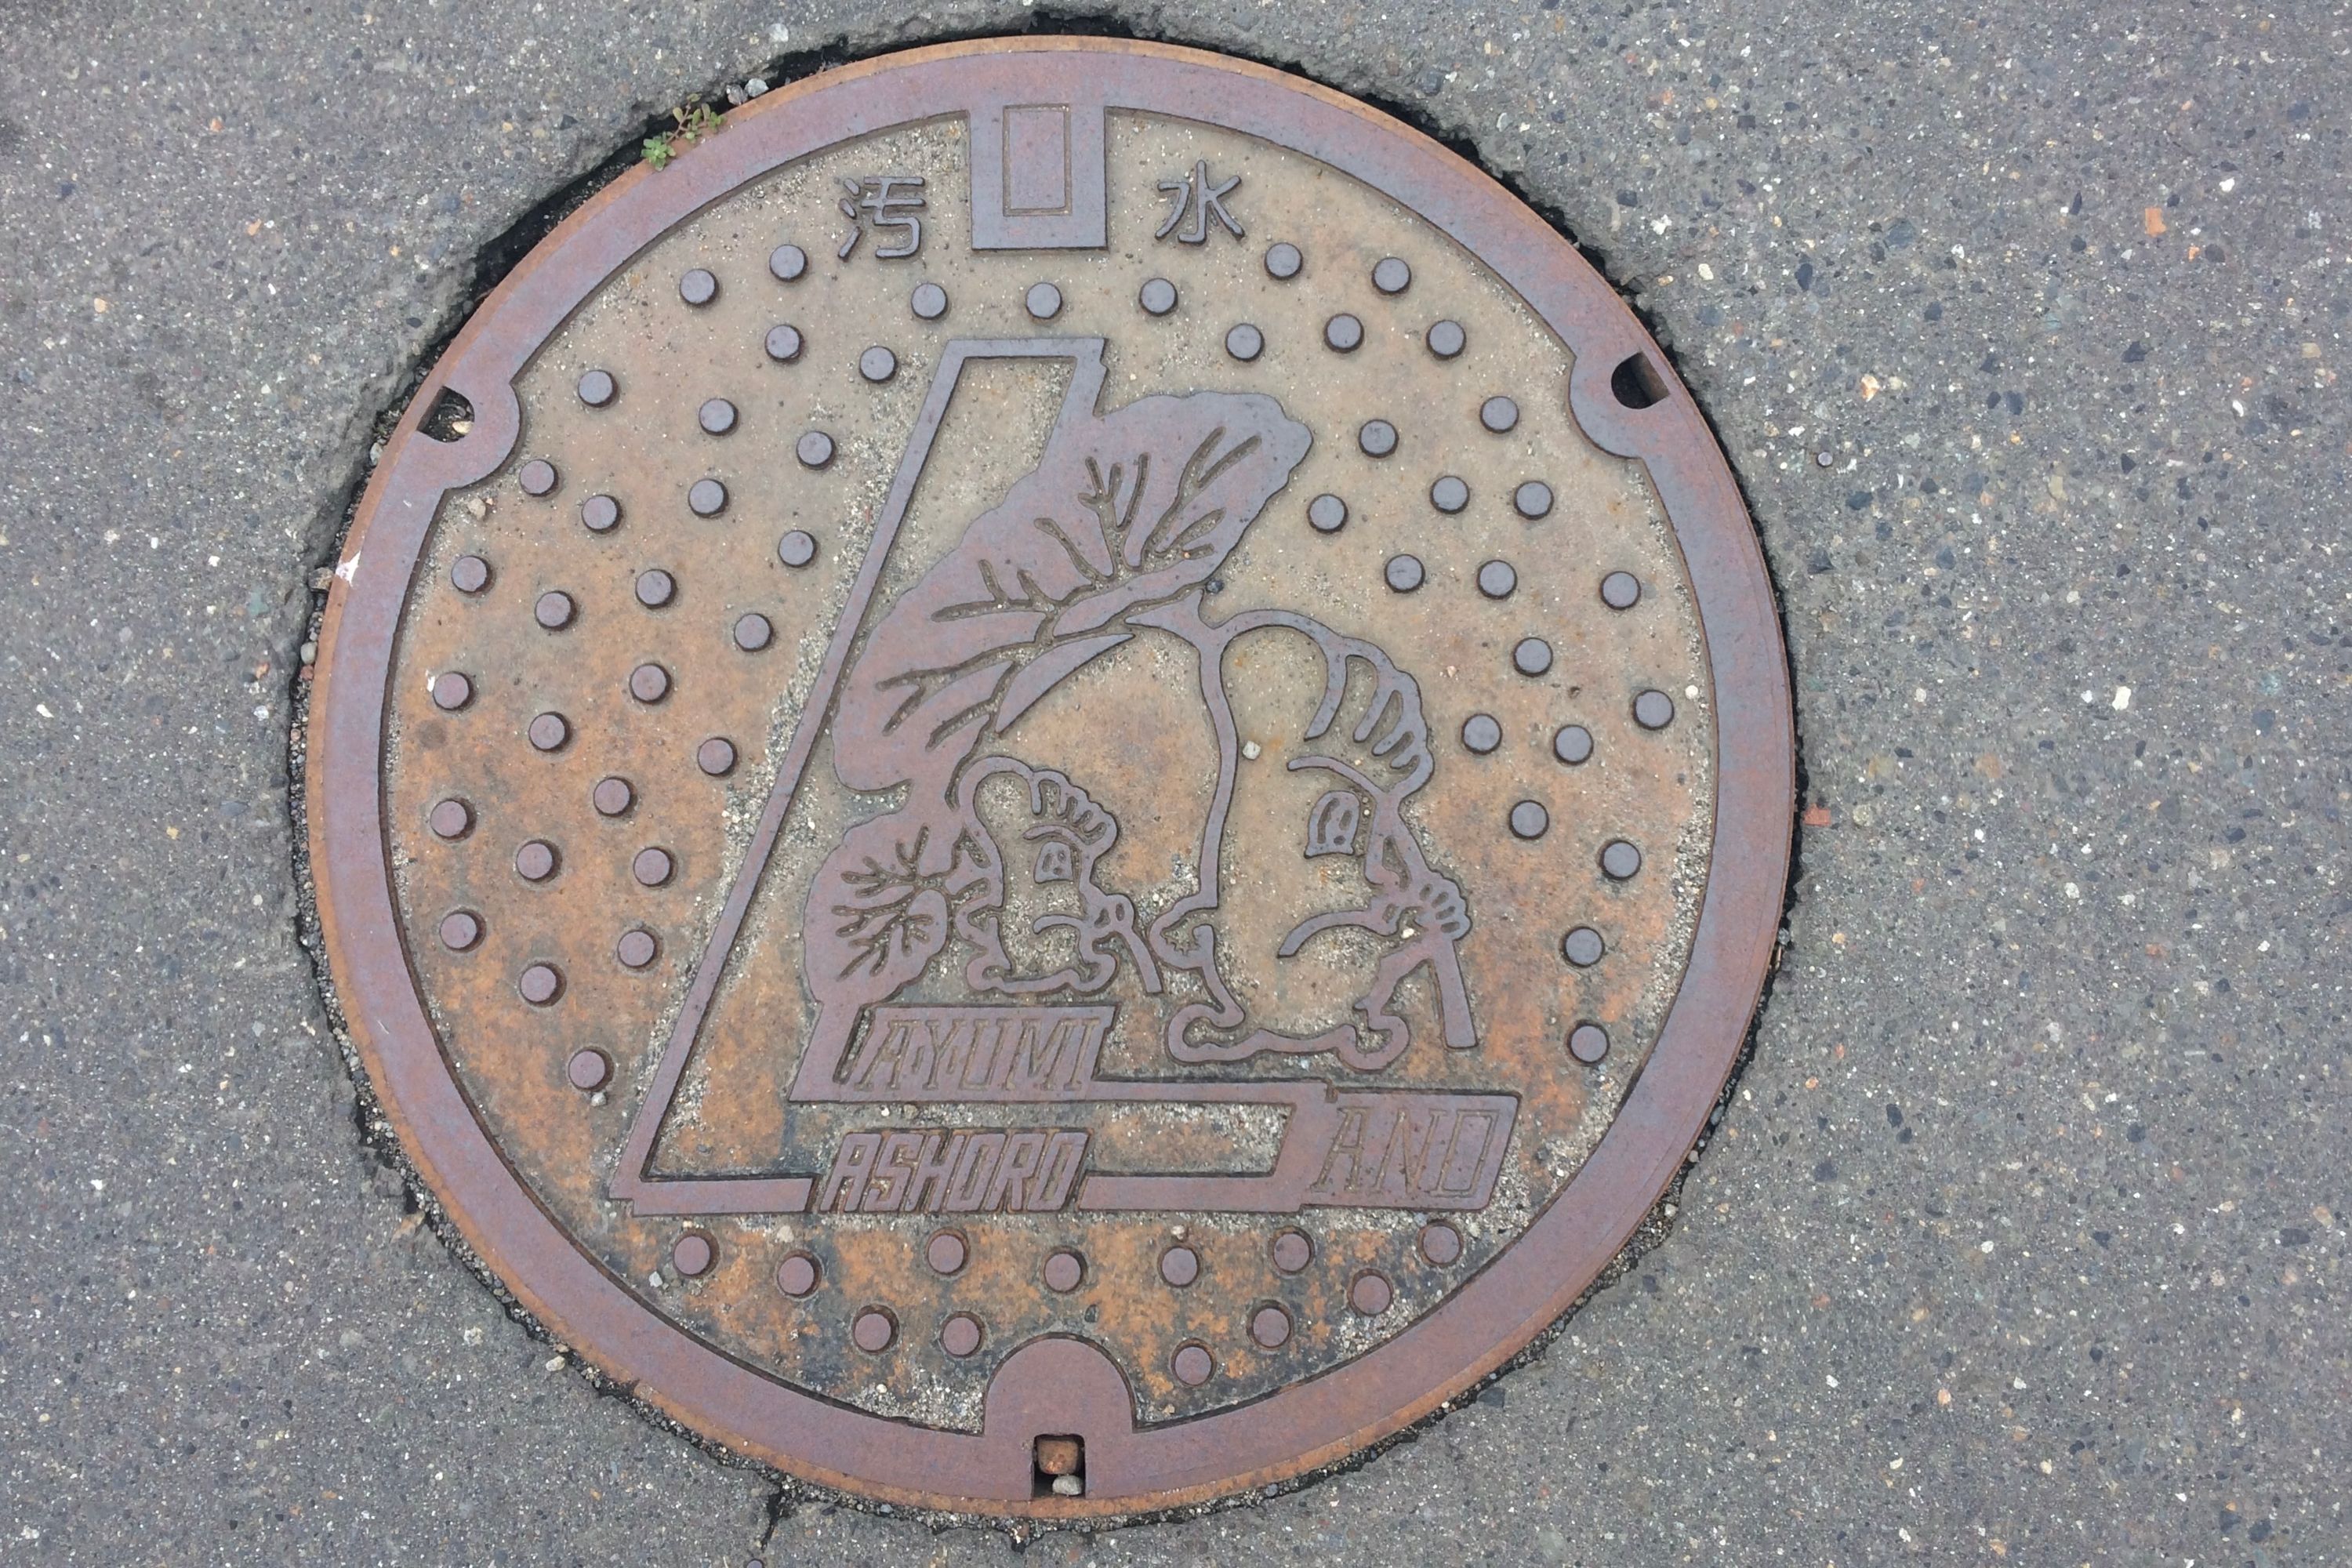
point(1125, 511)
point(883, 903)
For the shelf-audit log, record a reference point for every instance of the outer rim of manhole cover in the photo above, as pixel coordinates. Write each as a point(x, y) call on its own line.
point(1058, 1384)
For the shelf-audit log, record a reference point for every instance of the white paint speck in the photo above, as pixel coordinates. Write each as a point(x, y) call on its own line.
point(2122, 698)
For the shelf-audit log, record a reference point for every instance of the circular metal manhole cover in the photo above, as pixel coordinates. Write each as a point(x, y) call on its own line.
point(1073, 789)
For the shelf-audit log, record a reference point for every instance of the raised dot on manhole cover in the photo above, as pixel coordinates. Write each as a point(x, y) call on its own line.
point(541, 984)
point(693, 1254)
point(946, 1252)
point(1193, 1365)
point(535, 861)
point(1270, 1327)
point(796, 1274)
point(962, 826)
point(649, 683)
point(873, 1330)
point(1063, 1271)
point(959, 1335)
point(1619, 859)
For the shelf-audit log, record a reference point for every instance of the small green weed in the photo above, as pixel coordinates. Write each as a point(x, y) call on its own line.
point(696, 122)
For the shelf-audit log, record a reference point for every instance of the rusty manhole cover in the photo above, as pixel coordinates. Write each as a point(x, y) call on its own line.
point(1070, 791)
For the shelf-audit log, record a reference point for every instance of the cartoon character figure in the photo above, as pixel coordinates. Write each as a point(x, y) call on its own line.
point(1117, 532)
point(1050, 892)
point(1342, 906)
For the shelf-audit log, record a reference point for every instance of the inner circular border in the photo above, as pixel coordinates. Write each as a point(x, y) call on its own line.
point(1055, 1384)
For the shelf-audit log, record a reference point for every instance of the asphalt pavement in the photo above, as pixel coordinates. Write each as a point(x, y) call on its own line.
point(2024, 1235)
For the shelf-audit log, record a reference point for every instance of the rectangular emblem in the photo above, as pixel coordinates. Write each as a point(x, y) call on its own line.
point(1037, 177)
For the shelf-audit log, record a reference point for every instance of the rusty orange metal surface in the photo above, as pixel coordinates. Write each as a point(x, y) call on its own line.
point(1067, 790)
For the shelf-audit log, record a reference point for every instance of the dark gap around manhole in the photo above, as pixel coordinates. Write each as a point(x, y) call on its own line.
point(1054, 1457)
point(1636, 382)
point(450, 419)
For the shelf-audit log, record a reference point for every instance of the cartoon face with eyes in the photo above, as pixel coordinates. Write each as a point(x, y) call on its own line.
point(1317, 905)
point(1040, 921)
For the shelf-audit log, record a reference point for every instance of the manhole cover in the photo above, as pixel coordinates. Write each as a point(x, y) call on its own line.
point(1065, 788)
